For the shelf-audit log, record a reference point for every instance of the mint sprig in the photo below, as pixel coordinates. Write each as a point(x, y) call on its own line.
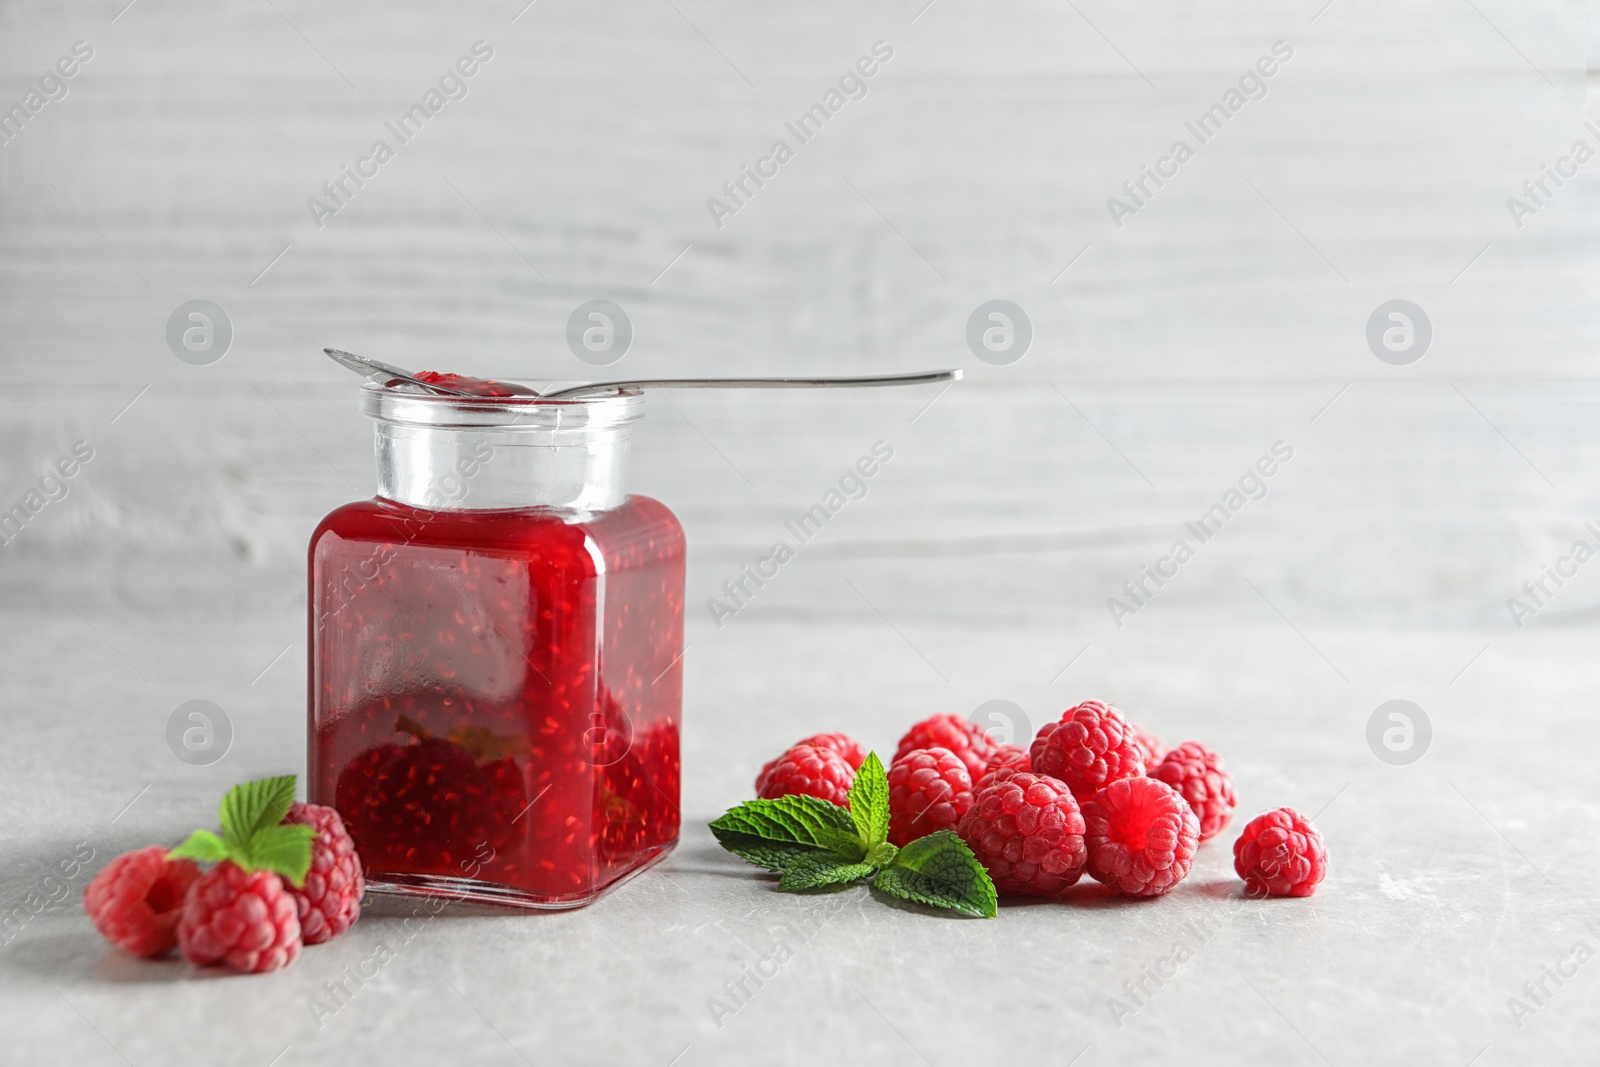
point(253, 836)
point(813, 844)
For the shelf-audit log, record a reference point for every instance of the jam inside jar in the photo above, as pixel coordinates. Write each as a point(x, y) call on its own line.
point(496, 644)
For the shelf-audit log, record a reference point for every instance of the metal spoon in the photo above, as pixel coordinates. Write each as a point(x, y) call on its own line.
point(915, 378)
point(373, 369)
point(383, 373)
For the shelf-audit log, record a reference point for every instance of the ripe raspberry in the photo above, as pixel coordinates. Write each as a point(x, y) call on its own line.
point(962, 736)
point(244, 920)
point(1090, 747)
point(1280, 854)
point(330, 900)
point(135, 900)
point(844, 744)
point(1154, 750)
point(816, 772)
point(1027, 830)
point(1005, 761)
point(1141, 836)
point(1197, 774)
point(929, 789)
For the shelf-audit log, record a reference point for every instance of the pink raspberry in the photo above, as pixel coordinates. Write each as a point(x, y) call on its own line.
point(136, 899)
point(1154, 750)
point(809, 770)
point(1280, 854)
point(1004, 761)
point(1141, 836)
point(244, 920)
point(960, 735)
point(1197, 774)
point(1027, 830)
point(1090, 747)
point(929, 789)
point(330, 899)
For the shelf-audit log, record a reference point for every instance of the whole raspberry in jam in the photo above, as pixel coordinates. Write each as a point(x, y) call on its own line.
point(1004, 761)
point(1141, 836)
point(960, 735)
point(807, 770)
point(929, 789)
point(1090, 747)
point(1027, 830)
point(1154, 750)
point(1280, 854)
point(244, 920)
point(1197, 774)
point(428, 804)
point(136, 899)
point(330, 899)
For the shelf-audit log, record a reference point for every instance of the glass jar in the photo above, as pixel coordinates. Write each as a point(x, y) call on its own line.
point(495, 683)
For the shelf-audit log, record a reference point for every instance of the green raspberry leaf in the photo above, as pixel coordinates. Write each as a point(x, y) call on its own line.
point(940, 870)
point(869, 802)
point(284, 850)
point(881, 855)
point(777, 833)
point(253, 806)
point(203, 845)
point(811, 872)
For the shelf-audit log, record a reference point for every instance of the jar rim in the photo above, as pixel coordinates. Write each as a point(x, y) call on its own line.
point(396, 407)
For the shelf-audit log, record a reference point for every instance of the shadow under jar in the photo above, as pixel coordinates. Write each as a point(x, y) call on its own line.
point(495, 682)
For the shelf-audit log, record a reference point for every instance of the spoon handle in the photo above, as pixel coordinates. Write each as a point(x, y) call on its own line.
point(917, 378)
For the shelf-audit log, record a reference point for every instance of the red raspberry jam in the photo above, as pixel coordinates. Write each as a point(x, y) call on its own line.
point(495, 692)
point(475, 386)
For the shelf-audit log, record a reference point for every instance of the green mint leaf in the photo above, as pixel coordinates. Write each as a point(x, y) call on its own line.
point(254, 806)
point(203, 845)
point(284, 850)
point(776, 833)
point(881, 855)
point(869, 802)
point(940, 870)
point(820, 869)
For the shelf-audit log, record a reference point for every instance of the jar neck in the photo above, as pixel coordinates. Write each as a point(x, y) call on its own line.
point(479, 453)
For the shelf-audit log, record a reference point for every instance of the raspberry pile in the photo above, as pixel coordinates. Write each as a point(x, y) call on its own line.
point(284, 875)
point(1090, 747)
point(1093, 793)
point(811, 770)
point(1027, 830)
point(1141, 836)
point(1196, 773)
point(962, 736)
point(929, 789)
